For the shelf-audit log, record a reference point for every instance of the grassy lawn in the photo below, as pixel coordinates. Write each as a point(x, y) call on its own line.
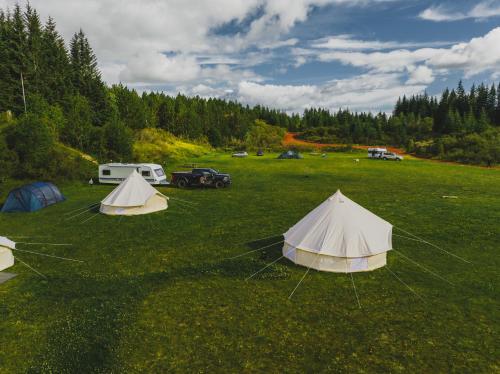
point(156, 293)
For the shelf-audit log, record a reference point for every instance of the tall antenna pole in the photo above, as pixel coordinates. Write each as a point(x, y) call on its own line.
point(24, 96)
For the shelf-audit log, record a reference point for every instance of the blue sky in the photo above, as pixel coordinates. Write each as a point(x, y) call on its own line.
point(291, 55)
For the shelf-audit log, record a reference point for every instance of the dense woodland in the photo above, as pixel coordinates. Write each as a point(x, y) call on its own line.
point(458, 126)
point(69, 109)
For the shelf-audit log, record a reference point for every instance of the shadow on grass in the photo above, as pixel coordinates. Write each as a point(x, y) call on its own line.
point(90, 314)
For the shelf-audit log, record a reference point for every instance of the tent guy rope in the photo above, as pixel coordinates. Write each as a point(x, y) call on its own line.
point(265, 267)
point(29, 267)
point(423, 267)
point(402, 282)
point(47, 255)
point(416, 238)
point(85, 207)
point(254, 250)
point(301, 279)
point(53, 244)
point(355, 291)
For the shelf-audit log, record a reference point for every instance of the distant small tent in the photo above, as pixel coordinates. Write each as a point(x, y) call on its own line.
point(339, 236)
point(32, 197)
point(134, 196)
point(6, 256)
point(291, 154)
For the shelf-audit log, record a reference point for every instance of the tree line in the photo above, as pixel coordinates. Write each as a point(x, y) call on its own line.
point(459, 126)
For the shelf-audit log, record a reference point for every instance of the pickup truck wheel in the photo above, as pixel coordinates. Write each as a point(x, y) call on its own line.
point(182, 183)
point(219, 184)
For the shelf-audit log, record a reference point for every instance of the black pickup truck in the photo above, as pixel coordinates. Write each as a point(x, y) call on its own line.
point(200, 177)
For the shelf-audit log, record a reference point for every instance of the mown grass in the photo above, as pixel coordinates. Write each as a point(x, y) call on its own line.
point(157, 293)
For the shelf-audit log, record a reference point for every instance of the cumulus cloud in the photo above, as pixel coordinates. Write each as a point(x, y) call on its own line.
point(479, 55)
point(151, 67)
point(372, 92)
point(349, 42)
point(420, 75)
point(163, 41)
point(440, 13)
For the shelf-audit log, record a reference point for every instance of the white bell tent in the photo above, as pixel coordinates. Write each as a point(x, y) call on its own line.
point(6, 256)
point(339, 236)
point(133, 196)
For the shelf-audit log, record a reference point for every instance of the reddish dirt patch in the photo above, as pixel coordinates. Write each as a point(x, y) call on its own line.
point(291, 139)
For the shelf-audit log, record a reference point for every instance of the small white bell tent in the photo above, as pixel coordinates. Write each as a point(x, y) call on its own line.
point(339, 236)
point(133, 196)
point(6, 256)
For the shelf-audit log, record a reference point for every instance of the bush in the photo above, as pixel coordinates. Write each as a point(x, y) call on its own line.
point(472, 148)
point(8, 159)
point(117, 140)
point(262, 135)
point(33, 142)
point(156, 145)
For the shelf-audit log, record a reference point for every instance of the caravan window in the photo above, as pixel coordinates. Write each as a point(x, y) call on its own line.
point(159, 172)
point(146, 173)
point(106, 172)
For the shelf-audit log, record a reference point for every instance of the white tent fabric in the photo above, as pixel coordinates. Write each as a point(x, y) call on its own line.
point(6, 256)
point(133, 196)
point(339, 236)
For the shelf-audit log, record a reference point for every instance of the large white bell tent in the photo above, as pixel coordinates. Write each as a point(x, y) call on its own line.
point(339, 236)
point(6, 256)
point(133, 196)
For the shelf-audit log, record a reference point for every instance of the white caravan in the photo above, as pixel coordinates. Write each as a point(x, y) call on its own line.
point(376, 152)
point(116, 173)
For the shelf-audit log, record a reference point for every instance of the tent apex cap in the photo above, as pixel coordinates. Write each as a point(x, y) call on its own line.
point(337, 193)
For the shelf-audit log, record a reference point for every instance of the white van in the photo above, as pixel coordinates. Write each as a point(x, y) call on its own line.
point(115, 173)
point(376, 152)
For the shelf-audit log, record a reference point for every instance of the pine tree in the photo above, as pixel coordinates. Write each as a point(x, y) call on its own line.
point(469, 121)
point(117, 139)
point(33, 74)
point(491, 103)
point(481, 100)
point(55, 65)
point(497, 117)
point(14, 61)
point(483, 122)
point(86, 78)
point(461, 103)
point(79, 123)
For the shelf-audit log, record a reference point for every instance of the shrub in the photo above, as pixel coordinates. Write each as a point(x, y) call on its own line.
point(156, 145)
point(33, 142)
point(262, 135)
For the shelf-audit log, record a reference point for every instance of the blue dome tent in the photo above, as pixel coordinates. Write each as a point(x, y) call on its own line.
point(32, 197)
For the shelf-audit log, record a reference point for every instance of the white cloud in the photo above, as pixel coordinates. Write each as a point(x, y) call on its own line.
point(479, 55)
point(420, 75)
point(439, 13)
point(368, 92)
point(348, 42)
point(131, 34)
point(392, 61)
point(157, 68)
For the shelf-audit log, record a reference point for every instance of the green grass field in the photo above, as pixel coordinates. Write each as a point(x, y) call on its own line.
point(156, 293)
